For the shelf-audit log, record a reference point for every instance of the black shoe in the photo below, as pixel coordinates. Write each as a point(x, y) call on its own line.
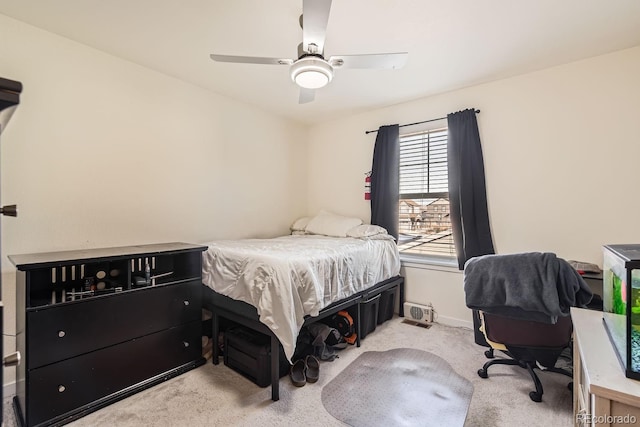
point(313, 368)
point(297, 373)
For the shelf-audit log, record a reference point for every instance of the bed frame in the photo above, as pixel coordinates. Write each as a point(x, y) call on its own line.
point(245, 314)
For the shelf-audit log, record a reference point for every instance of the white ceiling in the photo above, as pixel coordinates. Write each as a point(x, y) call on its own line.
point(451, 44)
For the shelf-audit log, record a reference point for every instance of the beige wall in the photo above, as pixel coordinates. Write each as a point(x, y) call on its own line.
point(561, 150)
point(102, 152)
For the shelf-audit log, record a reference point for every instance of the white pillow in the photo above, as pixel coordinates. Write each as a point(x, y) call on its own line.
point(366, 230)
point(329, 224)
point(300, 224)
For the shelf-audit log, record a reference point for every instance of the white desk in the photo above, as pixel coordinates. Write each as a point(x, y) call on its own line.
point(602, 395)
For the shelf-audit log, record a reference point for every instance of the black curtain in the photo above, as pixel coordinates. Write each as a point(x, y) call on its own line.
point(385, 179)
point(467, 190)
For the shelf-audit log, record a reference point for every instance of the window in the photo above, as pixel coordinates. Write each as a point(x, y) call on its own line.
point(425, 227)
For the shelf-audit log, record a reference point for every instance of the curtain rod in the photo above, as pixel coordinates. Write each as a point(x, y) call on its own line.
point(416, 123)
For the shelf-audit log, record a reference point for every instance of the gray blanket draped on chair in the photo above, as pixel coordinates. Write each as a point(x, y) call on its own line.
point(509, 285)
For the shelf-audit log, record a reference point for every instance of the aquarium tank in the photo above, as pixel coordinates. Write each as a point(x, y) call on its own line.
point(621, 303)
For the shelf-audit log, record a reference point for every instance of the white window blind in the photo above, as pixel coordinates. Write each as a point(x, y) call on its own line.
point(425, 226)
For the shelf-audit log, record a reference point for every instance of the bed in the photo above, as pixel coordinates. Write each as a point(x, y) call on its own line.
point(275, 286)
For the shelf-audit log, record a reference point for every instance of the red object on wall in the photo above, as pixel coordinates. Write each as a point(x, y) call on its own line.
point(367, 186)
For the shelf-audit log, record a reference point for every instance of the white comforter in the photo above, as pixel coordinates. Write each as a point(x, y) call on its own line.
point(289, 277)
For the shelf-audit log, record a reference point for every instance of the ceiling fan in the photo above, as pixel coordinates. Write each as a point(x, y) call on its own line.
point(311, 70)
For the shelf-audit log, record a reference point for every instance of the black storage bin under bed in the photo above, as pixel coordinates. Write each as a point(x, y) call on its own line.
point(368, 315)
point(247, 352)
point(387, 305)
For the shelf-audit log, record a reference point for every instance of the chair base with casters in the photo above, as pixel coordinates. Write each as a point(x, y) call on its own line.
point(536, 395)
point(531, 345)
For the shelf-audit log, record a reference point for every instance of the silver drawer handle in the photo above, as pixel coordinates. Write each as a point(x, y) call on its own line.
point(186, 302)
point(12, 359)
point(61, 388)
point(186, 344)
point(61, 334)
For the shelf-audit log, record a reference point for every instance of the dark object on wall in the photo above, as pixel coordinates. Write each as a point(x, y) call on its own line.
point(467, 189)
point(9, 99)
point(247, 352)
point(385, 179)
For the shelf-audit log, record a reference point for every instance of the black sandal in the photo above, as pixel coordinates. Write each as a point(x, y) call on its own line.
point(313, 368)
point(297, 373)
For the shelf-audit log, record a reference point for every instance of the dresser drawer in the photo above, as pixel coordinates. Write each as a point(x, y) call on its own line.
point(69, 330)
point(65, 386)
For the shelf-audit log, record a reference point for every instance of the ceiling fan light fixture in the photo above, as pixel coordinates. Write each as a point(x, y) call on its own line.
point(311, 72)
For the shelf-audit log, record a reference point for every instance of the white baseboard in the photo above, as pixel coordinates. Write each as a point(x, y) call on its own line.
point(9, 389)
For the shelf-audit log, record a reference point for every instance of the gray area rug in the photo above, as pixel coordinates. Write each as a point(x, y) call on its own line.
point(398, 387)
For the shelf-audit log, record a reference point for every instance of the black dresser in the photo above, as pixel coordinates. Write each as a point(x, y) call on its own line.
point(95, 326)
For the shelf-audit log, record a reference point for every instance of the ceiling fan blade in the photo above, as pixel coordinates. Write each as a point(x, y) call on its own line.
point(377, 60)
point(306, 95)
point(315, 16)
point(251, 59)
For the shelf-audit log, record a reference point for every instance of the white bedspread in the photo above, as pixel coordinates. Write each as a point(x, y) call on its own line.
point(289, 277)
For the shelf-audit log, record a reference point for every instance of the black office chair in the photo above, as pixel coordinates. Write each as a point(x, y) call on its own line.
point(523, 302)
point(530, 345)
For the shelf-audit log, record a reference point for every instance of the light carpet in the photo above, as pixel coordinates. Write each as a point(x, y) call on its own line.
point(398, 387)
point(218, 396)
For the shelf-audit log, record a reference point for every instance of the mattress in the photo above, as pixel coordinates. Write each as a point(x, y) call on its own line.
point(287, 278)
